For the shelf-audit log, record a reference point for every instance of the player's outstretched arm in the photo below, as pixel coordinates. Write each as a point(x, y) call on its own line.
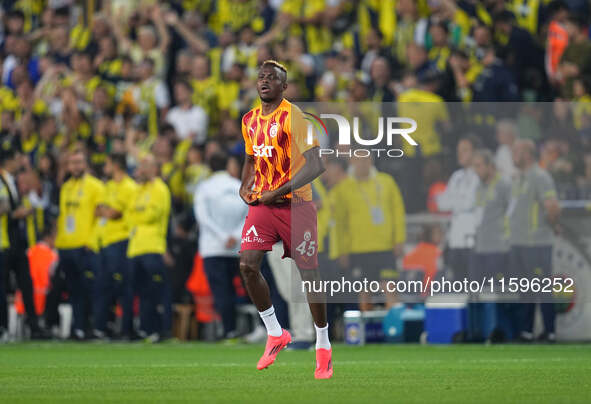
point(308, 173)
point(248, 173)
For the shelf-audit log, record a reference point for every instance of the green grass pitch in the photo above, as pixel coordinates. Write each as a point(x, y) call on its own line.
point(175, 372)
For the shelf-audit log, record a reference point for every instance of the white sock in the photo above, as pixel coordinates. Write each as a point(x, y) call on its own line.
point(271, 323)
point(322, 341)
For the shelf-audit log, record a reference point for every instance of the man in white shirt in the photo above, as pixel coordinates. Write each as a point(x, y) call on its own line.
point(188, 120)
point(459, 198)
point(220, 214)
point(506, 135)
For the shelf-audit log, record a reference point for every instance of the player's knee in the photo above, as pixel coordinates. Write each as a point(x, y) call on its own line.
point(248, 268)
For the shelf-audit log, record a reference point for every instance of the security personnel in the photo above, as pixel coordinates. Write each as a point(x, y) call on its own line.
point(13, 244)
point(493, 195)
point(491, 244)
point(113, 280)
point(533, 216)
point(148, 220)
point(76, 236)
point(371, 223)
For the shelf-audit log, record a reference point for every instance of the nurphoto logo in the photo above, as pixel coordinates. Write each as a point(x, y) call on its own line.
point(388, 127)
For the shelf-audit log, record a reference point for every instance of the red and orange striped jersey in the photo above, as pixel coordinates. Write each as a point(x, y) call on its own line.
point(277, 141)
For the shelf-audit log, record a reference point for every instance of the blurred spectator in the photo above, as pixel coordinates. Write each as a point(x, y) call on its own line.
point(220, 214)
point(576, 60)
point(14, 242)
point(533, 217)
point(77, 238)
point(584, 181)
point(434, 179)
point(373, 225)
point(506, 135)
point(152, 41)
point(491, 244)
point(189, 121)
point(460, 198)
point(114, 282)
point(148, 218)
point(426, 255)
point(557, 40)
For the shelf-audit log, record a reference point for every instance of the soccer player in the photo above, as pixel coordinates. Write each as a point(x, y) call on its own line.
point(279, 160)
point(114, 281)
point(148, 219)
point(79, 198)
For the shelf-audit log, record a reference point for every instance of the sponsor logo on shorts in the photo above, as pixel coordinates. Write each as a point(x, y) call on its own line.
point(252, 236)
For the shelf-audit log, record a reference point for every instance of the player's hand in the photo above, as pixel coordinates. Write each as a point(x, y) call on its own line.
point(248, 196)
point(22, 212)
point(171, 18)
point(398, 250)
point(231, 242)
point(343, 261)
point(271, 198)
point(110, 213)
point(99, 211)
point(168, 259)
point(557, 228)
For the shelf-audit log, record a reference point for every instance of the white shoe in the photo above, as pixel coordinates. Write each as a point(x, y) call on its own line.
point(4, 336)
point(258, 335)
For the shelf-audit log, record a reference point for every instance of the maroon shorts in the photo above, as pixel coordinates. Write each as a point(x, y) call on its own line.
point(294, 224)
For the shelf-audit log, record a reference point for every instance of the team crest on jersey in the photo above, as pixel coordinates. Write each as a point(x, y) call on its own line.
point(273, 129)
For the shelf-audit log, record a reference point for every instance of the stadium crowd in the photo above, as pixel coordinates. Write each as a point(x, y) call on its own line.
point(94, 93)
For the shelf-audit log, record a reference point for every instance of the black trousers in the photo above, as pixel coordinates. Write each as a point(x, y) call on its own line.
point(15, 259)
point(220, 273)
point(149, 280)
point(530, 262)
point(113, 283)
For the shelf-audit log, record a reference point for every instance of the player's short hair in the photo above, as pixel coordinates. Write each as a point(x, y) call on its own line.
point(49, 230)
point(474, 141)
point(505, 16)
point(16, 14)
point(530, 146)
point(83, 53)
point(556, 6)
point(148, 61)
point(486, 155)
point(339, 162)
point(7, 154)
point(78, 149)
point(580, 21)
point(218, 161)
point(119, 159)
point(184, 83)
point(442, 25)
point(276, 64)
